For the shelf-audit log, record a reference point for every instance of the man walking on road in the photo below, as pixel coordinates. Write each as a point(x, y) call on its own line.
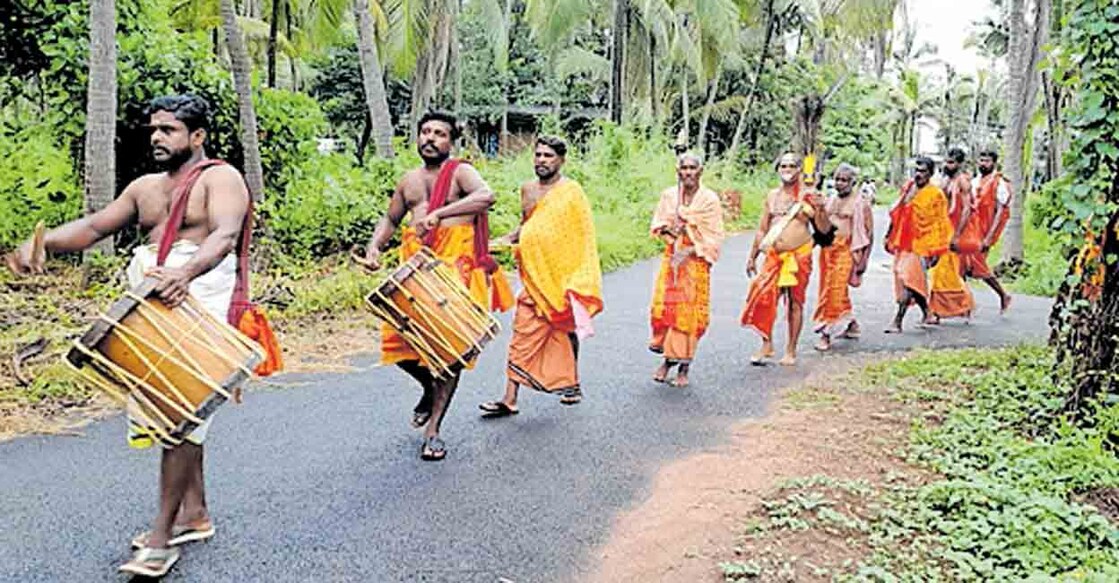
point(562, 280)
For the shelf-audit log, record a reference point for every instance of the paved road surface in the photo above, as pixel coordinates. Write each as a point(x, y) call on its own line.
point(323, 481)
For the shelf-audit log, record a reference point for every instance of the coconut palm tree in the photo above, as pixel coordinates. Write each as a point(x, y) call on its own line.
point(101, 111)
point(376, 99)
point(242, 82)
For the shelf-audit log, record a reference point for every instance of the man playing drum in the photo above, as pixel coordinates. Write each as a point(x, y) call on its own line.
point(449, 203)
point(784, 274)
point(201, 263)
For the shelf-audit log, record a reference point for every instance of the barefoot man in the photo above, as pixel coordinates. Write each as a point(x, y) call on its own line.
point(449, 203)
point(689, 219)
point(562, 283)
point(783, 275)
point(843, 263)
point(949, 295)
point(201, 262)
point(990, 212)
point(919, 234)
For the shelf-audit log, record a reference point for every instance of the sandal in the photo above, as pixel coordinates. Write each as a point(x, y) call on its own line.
point(149, 562)
point(180, 535)
point(572, 396)
point(433, 449)
point(495, 409)
point(420, 418)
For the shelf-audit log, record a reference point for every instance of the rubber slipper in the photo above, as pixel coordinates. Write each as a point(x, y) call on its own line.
point(149, 562)
point(180, 535)
point(494, 409)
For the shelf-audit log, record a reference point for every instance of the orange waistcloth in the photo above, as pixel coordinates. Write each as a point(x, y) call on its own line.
point(949, 296)
point(255, 325)
point(833, 305)
point(454, 245)
point(909, 274)
point(986, 208)
point(558, 254)
point(681, 305)
point(790, 270)
point(922, 224)
point(985, 212)
point(542, 354)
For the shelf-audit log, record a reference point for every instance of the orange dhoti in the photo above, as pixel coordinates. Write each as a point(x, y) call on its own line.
point(681, 308)
point(950, 296)
point(780, 272)
point(973, 261)
point(543, 355)
point(909, 274)
point(454, 246)
point(834, 312)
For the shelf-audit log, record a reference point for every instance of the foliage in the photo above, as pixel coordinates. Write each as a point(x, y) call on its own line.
point(37, 183)
point(289, 124)
point(854, 127)
point(1086, 315)
point(1004, 506)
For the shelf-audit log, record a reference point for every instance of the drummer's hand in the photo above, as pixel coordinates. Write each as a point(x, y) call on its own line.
point(173, 286)
point(751, 266)
point(428, 223)
point(372, 260)
point(21, 261)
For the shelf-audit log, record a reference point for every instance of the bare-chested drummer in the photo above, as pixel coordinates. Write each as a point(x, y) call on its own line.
point(201, 262)
point(446, 199)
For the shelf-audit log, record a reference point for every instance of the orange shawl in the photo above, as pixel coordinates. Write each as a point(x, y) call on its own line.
point(702, 219)
point(920, 225)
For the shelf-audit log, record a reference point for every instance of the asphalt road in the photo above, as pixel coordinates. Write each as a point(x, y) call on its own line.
point(322, 480)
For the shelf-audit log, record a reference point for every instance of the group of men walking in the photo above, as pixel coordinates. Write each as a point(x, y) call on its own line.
point(943, 234)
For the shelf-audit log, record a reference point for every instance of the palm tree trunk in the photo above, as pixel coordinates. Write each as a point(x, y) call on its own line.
point(770, 21)
point(1024, 56)
point(101, 113)
point(685, 107)
point(273, 33)
point(653, 77)
point(617, 58)
point(242, 70)
point(376, 99)
point(706, 117)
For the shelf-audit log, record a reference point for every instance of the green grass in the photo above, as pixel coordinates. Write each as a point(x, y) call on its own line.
point(1010, 467)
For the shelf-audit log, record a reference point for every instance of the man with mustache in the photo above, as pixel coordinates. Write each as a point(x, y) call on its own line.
point(783, 275)
point(449, 203)
point(949, 296)
point(990, 212)
point(200, 262)
point(919, 234)
point(562, 283)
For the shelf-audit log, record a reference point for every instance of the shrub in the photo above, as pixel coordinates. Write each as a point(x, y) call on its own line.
point(37, 183)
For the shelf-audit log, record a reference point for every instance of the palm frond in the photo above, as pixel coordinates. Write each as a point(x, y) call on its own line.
point(576, 60)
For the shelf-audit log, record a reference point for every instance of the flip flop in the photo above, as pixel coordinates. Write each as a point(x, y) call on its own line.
point(433, 449)
point(180, 535)
point(572, 396)
point(149, 562)
point(420, 418)
point(495, 409)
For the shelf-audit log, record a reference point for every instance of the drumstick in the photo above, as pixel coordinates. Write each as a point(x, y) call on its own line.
point(39, 248)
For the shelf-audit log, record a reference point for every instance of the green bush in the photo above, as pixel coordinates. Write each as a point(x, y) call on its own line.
point(37, 183)
point(289, 124)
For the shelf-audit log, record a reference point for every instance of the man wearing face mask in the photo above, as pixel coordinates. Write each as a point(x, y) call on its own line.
point(949, 296)
point(784, 275)
point(200, 262)
point(919, 234)
point(562, 284)
point(689, 220)
point(449, 203)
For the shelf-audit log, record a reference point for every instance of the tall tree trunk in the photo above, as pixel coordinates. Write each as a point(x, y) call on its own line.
point(770, 22)
point(704, 119)
point(242, 71)
point(1024, 56)
point(273, 34)
point(880, 49)
point(686, 107)
point(617, 58)
point(291, 60)
point(101, 113)
point(376, 99)
point(431, 67)
point(653, 77)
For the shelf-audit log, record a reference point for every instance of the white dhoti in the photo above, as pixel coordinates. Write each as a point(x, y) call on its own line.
point(213, 289)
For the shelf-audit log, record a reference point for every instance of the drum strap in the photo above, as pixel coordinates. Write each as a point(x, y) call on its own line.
point(240, 301)
point(439, 193)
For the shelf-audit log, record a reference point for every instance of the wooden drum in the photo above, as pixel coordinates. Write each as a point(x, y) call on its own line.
point(427, 304)
point(173, 367)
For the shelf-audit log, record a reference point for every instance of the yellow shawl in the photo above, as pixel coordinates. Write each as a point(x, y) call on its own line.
point(703, 219)
point(559, 255)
